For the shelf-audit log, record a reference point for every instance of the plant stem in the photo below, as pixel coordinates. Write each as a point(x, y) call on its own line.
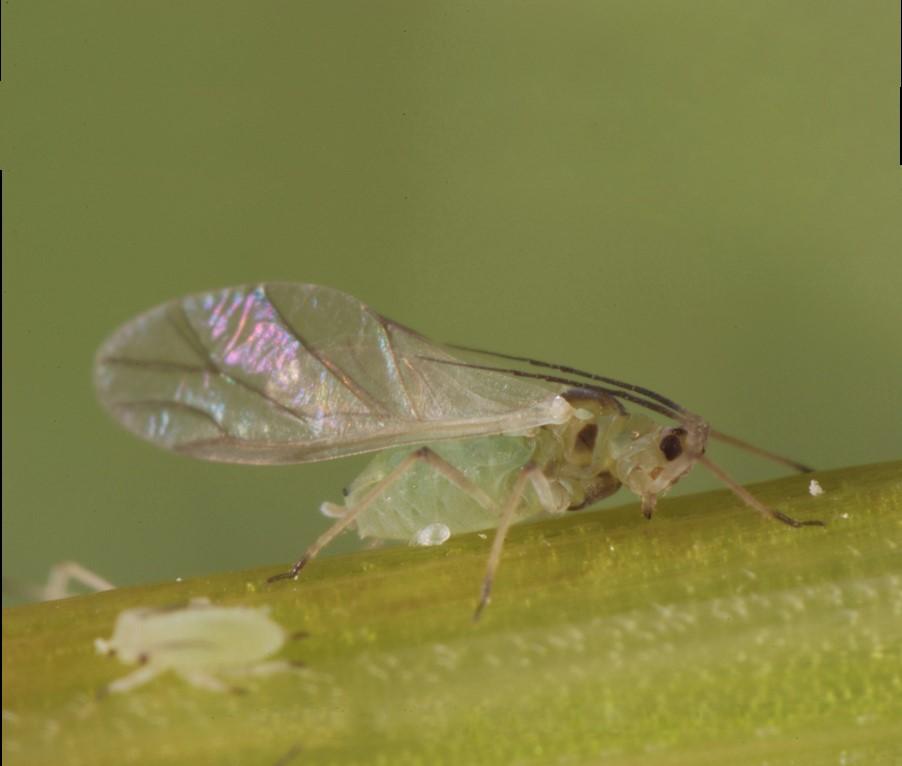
point(707, 636)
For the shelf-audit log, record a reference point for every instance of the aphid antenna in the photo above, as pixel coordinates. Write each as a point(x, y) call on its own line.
point(678, 409)
point(732, 440)
point(574, 371)
point(681, 415)
point(750, 500)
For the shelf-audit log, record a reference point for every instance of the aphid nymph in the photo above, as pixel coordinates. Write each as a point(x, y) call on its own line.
point(208, 646)
point(294, 373)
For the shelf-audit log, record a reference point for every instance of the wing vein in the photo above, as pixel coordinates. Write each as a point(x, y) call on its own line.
point(334, 369)
point(385, 324)
point(163, 403)
point(198, 347)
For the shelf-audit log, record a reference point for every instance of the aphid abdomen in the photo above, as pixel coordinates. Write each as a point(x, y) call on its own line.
point(424, 496)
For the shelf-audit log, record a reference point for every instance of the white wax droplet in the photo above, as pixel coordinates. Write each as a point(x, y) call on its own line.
point(432, 534)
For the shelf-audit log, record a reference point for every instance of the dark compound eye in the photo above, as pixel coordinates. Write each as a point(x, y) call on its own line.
point(671, 446)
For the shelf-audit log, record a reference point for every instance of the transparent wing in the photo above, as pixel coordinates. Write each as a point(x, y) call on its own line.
point(289, 373)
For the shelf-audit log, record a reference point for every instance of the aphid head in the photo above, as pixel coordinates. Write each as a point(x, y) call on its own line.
point(650, 458)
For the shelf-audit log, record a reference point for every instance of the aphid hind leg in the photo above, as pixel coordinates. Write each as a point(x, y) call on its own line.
point(529, 473)
point(753, 502)
point(133, 680)
point(421, 455)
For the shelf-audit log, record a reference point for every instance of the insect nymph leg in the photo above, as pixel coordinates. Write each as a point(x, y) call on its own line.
point(140, 677)
point(422, 455)
point(529, 473)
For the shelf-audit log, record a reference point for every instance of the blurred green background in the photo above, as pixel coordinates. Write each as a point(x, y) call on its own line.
point(700, 197)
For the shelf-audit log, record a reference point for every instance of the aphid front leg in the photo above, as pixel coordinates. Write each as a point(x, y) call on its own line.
point(753, 502)
point(529, 473)
point(422, 455)
point(133, 680)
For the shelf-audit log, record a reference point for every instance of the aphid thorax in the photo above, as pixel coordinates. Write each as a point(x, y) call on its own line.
point(603, 447)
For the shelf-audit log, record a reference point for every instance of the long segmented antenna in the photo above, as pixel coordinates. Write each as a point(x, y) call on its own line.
point(750, 500)
point(727, 439)
point(653, 406)
point(574, 371)
point(677, 408)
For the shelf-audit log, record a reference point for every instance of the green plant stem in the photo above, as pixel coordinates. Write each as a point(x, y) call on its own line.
point(707, 636)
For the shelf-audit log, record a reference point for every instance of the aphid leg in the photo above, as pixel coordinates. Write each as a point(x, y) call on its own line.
point(528, 473)
point(208, 682)
point(423, 454)
point(455, 476)
point(58, 581)
point(68, 571)
point(753, 502)
point(133, 680)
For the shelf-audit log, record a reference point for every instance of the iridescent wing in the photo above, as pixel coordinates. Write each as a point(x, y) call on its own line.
point(292, 373)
